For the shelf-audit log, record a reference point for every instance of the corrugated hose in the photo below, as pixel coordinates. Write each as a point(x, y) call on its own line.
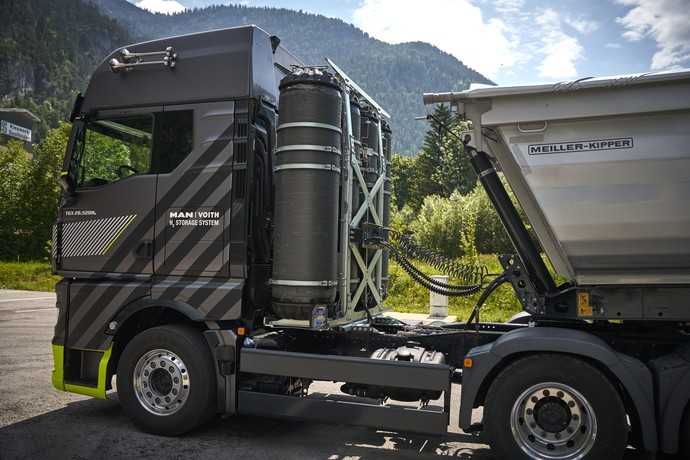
point(402, 248)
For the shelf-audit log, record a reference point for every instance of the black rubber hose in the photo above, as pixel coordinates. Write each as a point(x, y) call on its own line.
point(468, 273)
point(429, 283)
point(492, 286)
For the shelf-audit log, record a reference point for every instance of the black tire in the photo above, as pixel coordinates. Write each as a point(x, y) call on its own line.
point(188, 345)
point(516, 382)
point(684, 435)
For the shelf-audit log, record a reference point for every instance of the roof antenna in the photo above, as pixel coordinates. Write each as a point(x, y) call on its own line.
point(275, 42)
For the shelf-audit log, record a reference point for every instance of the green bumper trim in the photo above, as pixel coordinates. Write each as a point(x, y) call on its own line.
point(58, 376)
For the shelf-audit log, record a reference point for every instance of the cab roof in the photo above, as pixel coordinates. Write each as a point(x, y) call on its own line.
point(220, 64)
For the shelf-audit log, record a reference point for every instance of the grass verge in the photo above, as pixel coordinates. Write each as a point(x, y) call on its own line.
point(404, 294)
point(407, 296)
point(30, 276)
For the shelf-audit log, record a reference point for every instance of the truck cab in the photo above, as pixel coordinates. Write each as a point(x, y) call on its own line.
point(156, 207)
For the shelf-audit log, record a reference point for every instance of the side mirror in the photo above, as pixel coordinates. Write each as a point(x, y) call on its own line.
point(67, 182)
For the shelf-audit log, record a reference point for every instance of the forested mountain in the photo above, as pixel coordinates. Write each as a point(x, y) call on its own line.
point(49, 47)
point(395, 75)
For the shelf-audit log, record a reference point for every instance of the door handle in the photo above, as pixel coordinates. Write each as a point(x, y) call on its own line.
point(144, 249)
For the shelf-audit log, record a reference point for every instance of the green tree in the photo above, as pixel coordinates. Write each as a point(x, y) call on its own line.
point(446, 225)
point(402, 174)
point(29, 193)
point(441, 168)
point(44, 188)
point(15, 168)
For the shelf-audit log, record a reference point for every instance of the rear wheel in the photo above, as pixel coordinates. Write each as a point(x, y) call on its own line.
point(166, 380)
point(554, 407)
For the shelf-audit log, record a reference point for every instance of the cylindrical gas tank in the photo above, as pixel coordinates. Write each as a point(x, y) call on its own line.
point(370, 127)
point(387, 154)
point(307, 181)
point(355, 115)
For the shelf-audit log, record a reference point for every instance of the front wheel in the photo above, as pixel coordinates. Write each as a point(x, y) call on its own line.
point(554, 407)
point(166, 380)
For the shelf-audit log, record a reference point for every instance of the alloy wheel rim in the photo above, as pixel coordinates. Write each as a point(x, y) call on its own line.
point(161, 382)
point(553, 421)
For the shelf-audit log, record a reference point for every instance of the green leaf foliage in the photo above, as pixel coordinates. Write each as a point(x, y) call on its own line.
point(29, 192)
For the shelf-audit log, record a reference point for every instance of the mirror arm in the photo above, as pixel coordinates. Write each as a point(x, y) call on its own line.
point(67, 182)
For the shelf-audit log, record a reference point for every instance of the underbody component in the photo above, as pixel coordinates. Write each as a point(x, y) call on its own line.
point(375, 372)
point(408, 353)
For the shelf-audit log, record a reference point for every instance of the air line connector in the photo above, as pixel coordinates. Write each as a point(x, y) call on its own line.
point(373, 236)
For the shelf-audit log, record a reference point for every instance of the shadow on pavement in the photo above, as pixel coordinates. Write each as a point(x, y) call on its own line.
point(99, 429)
point(91, 428)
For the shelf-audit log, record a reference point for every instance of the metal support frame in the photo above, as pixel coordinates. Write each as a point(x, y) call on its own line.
point(380, 194)
point(367, 280)
point(350, 83)
point(346, 209)
point(372, 205)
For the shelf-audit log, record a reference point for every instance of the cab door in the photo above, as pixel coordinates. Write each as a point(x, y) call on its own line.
point(193, 191)
point(107, 222)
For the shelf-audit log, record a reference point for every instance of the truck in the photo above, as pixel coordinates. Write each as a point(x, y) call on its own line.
point(223, 241)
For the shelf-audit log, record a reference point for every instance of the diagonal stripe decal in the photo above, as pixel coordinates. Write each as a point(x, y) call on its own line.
point(125, 223)
point(93, 237)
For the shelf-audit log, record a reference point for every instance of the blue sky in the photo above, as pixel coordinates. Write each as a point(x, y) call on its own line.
point(516, 41)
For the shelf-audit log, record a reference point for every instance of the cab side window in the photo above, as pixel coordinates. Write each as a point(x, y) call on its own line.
point(173, 139)
point(116, 148)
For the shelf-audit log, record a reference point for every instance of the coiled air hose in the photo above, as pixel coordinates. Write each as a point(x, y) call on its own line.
point(404, 249)
point(468, 273)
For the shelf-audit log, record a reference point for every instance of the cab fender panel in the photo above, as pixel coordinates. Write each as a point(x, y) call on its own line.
point(142, 304)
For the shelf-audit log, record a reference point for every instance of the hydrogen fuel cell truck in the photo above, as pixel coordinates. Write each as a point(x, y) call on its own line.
point(223, 240)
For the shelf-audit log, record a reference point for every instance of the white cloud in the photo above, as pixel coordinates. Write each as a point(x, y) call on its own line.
point(561, 51)
point(665, 21)
point(582, 25)
point(517, 38)
point(509, 6)
point(455, 26)
point(161, 6)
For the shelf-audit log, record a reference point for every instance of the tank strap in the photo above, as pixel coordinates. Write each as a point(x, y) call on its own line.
point(326, 167)
point(310, 147)
point(309, 124)
point(323, 283)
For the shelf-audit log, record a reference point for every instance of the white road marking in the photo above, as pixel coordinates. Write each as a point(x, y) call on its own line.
point(27, 298)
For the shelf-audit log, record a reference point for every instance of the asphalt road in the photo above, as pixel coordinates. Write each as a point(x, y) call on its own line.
point(37, 421)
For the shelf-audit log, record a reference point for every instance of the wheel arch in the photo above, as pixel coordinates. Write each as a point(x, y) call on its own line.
point(630, 376)
point(143, 314)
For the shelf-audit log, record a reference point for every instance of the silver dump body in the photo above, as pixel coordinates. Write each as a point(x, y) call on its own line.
point(601, 167)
